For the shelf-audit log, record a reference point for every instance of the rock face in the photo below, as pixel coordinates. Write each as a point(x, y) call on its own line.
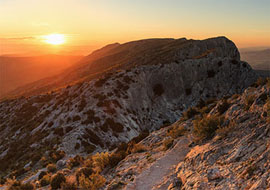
point(152, 88)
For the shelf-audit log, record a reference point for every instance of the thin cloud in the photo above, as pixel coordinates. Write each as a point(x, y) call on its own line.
point(19, 38)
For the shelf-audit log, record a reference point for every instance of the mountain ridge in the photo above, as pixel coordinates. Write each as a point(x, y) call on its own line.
point(145, 93)
point(117, 58)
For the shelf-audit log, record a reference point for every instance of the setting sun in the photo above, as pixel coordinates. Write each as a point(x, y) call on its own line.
point(55, 39)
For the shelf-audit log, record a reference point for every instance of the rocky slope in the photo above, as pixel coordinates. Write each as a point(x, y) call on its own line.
point(235, 156)
point(149, 86)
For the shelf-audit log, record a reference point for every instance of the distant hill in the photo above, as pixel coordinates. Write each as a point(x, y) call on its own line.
point(258, 59)
point(18, 71)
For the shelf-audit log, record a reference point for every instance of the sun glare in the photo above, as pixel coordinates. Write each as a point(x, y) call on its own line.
point(55, 39)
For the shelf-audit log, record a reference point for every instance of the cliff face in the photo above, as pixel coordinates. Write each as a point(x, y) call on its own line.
point(149, 86)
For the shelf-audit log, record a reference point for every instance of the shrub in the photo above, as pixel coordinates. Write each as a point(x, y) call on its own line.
point(100, 161)
point(206, 109)
point(45, 180)
point(167, 143)
point(188, 91)
point(95, 181)
point(117, 185)
point(211, 73)
point(86, 171)
point(224, 131)
point(191, 112)
point(75, 161)
point(115, 126)
point(27, 186)
point(204, 128)
point(249, 101)
point(57, 181)
point(82, 104)
point(69, 184)
point(138, 148)
point(116, 157)
point(141, 136)
point(42, 173)
point(13, 184)
point(261, 81)
point(59, 131)
point(57, 155)
point(93, 138)
point(268, 82)
point(223, 107)
point(2, 181)
point(268, 109)
point(158, 89)
point(51, 168)
point(76, 118)
point(176, 131)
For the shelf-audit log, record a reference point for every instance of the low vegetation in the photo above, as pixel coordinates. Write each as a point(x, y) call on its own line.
point(249, 101)
point(226, 130)
point(176, 131)
point(191, 112)
point(205, 127)
point(167, 143)
point(223, 106)
point(57, 180)
point(268, 109)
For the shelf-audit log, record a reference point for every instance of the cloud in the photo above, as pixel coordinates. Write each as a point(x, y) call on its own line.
point(19, 38)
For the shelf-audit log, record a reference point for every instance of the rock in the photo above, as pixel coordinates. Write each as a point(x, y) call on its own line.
point(259, 184)
point(60, 164)
point(213, 174)
point(177, 183)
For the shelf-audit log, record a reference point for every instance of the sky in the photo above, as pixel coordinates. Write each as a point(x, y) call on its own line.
point(91, 24)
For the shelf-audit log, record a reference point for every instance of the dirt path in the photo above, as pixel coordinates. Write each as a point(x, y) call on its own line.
point(161, 168)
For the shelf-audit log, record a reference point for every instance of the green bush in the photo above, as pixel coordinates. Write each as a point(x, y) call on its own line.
point(57, 181)
point(204, 128)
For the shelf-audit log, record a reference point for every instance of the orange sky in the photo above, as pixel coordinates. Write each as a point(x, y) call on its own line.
point(90, 24)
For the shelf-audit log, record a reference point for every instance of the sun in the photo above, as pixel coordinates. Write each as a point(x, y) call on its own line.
point(55, 39)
